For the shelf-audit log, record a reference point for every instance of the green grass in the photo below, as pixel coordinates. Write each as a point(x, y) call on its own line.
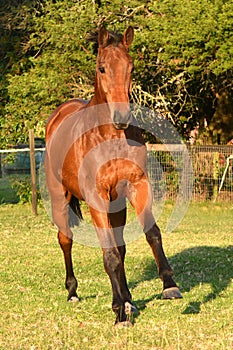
point(35, 314)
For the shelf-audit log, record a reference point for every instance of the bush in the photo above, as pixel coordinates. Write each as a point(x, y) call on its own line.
point(23, 189)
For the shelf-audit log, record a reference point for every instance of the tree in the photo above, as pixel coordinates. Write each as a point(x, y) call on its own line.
point(182, 52)
point(15, 27)
point(186, 59)
point(59, 68)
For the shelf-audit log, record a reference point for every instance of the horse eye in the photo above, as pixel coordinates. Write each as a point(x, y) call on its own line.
point(102, 70)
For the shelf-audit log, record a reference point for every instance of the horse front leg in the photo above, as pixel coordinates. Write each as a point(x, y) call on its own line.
point(109, 228)
point(170, 289)
point(60, 216)
point(141, 199)
point(117, 217)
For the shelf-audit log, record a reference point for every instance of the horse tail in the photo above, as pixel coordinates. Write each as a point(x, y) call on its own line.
point(75, 214)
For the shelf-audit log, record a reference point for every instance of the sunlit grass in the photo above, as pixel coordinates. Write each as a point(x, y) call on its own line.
point(35, 314)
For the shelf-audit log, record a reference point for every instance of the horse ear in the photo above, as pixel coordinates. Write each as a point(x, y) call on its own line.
point(103, 37)
point(128, 37)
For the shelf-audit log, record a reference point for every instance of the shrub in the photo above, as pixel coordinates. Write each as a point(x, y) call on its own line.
point(23, 189)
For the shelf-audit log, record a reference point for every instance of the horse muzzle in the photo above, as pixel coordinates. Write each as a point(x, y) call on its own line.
point(121, 121)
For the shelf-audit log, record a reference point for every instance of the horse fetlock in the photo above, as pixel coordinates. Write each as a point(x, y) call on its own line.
point(72, 295)
point(166, 274)
point(168, 283)
point(71, 285)
point(125, 314)
point(119, 310)
point(130, 311)
point(71, 282)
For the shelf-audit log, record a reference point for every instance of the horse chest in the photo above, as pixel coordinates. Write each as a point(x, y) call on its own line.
point(117, 176)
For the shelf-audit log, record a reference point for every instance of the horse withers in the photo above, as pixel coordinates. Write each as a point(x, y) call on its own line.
point(96, 153)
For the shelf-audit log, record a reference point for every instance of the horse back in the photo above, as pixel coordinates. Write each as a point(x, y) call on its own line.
point(61, 113)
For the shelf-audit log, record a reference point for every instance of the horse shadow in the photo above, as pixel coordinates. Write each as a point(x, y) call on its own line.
point(194, 267)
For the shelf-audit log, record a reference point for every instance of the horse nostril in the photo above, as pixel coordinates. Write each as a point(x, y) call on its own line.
point(119, 118)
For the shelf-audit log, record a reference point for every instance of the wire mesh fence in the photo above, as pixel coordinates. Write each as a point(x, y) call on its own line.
point(209, 164)
point(212, 168)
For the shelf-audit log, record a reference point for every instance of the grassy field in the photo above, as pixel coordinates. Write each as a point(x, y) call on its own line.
point(35, 314)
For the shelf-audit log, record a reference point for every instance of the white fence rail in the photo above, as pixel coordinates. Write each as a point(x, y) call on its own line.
point(212, 169)
point(18, 150)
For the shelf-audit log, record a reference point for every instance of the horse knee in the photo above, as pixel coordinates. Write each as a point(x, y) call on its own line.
point(122, 251)
point(154, 235)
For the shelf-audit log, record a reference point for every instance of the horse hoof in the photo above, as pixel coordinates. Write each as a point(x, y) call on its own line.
point(124, 324)
point(73, 299)
point(171, 293)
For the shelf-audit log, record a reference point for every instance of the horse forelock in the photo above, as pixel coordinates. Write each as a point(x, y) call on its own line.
point(114, 38)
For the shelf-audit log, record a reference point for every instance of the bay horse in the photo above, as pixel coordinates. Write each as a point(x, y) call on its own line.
point(96, 153)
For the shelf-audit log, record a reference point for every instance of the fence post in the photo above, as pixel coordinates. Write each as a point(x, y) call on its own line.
point(33, 170)
point(215, 175)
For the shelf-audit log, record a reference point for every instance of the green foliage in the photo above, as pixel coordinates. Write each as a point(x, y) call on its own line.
point(56, 66)
point(23, 189)
point(182, 51)
point(188, 62)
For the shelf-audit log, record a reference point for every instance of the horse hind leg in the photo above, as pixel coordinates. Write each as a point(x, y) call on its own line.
point(71, 283)
point(60, 211)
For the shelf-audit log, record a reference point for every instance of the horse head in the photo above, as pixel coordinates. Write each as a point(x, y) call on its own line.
point(113, 74)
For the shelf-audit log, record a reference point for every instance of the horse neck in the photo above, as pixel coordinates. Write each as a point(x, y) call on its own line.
point(99, 95)
point(99, 99)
